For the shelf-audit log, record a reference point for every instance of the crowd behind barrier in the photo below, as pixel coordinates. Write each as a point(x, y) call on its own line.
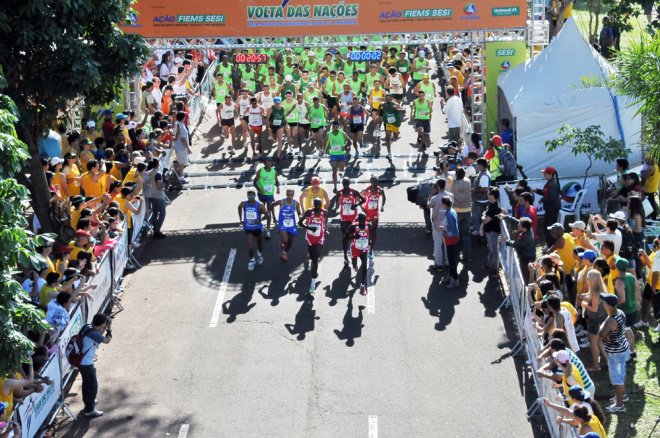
point(39, 409)
point(529, 341)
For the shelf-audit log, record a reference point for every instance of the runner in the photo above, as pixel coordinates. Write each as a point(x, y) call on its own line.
point(266, 99)
point(427, 87)
point(288, 86)
point(331, 94)
point(357, 85)
point(345, 102)
point(304, 82)
point(302, 108)
point(248, 76)
point(315, 221)
point(357, 117)
point(375, 99)
point(372, 194)
point(371, 78)
point(243, 104)
point(227, 70)
point(419, 66)
point(336, 141)
point(347, 200)
point(310, 93)
point(395, 85)
point(422, 111)
point(313, 192)
point(228, 113)
point(256, 115)
point(291, 116)
point(392, 114)
point(250, 214)
point(221, 89)
point(317, 115)
point(265, 181)
point(275, 124)
point(287, 222)
point(404, 67)
point(359, 233)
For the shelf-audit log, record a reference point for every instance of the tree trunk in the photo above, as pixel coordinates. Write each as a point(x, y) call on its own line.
point(560, 17)
point(36, 182)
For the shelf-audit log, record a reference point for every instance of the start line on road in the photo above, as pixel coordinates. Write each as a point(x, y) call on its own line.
point(223, 289)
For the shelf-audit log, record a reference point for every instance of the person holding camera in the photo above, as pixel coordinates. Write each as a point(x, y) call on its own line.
point(94, 334)
point(438, 212)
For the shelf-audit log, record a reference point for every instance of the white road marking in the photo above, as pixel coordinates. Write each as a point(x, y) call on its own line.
point(371, 290)
point(373, 426)
point(183, 432)
point(221, 292)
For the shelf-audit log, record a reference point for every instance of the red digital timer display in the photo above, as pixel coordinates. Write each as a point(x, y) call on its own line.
point(249, 58)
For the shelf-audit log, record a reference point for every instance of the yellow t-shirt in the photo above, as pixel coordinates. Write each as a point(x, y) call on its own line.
point(43, 294)
point(575, 372)
point(651, 184)
point(75, 216)
point(9, 399)
point(566, 253)
point(609, 283)
point(90, 187)
point(133, 176)
point(122, 206)
point(376, 97)
point(309, 200)
point(73, 186)
point(613, 272)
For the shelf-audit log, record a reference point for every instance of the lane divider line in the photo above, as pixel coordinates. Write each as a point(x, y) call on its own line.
point(373, 426)
point(223, 288)
point(183, 432)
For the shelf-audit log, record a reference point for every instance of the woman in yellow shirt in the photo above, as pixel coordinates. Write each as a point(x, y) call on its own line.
point(86, 153)
point(72, 174)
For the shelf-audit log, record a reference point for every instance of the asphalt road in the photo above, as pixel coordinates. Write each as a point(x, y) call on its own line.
point(411, 359)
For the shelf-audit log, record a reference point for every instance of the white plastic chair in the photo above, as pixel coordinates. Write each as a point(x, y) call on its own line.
point(575, 209)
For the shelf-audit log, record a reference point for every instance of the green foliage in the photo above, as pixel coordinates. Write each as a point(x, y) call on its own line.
point(589, 142)
point(623, 11)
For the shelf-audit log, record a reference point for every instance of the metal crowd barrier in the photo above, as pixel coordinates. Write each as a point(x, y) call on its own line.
point(529, 341)
point(40, 409)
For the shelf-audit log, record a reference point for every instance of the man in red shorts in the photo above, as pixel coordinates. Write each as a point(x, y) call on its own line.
point(372, 194)
point(347, 201)
point(358, 233)
point(315, 221)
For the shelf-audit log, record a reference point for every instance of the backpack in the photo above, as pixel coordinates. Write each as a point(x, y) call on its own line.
point(424, 192)
point(508, 165)
point(74, 353)
point(629, 247)
point(412, 192)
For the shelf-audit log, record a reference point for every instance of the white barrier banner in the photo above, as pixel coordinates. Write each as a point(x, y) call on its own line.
point(569, 188)
point(120, 254)
point(73, 328)
point(138, 220)
point(103, 283)
point(35, 409)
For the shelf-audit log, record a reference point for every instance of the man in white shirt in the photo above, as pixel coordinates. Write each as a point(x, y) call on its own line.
point(453, 107)
point(609, 233)
point(157, 94)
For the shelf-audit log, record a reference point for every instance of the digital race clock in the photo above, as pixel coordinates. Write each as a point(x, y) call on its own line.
point(365, 56)
point(250, 58)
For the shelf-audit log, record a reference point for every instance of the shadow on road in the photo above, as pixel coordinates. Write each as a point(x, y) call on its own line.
point(305, 320)
point(352, 325)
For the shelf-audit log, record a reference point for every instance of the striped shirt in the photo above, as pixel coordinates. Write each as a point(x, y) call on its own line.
point(577, 363)
point(615, 341)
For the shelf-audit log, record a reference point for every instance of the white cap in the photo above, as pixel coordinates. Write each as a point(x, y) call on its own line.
point(288, 78)
point(91, 124)
point(619, 215)
point(178, 60)
point(55, 161)
point(421, 53)
point(138, 160)
point(131, 125)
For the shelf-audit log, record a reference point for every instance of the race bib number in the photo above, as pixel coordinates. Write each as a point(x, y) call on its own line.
point(277, 120)
point(372, 205)
point(357, 120)
point(288, 223)
point(391, 119)
point(251, 215)
point(318, 121)
point(346, 209)
point(403, 69)
point(248, 82)
point(255, 119)
point(422, 113)
point(336, 147)
point(316, 232)
point(229, 113)
point(362, 243)
point(268, 188)
point(222, 92)
point(377, 98)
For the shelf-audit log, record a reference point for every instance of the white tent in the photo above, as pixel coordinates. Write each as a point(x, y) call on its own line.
point(545, 92)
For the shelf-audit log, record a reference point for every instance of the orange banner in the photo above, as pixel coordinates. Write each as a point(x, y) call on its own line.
point(287, 18)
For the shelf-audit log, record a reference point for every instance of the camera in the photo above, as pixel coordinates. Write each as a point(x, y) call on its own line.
point(436, 169)
point(436, 153)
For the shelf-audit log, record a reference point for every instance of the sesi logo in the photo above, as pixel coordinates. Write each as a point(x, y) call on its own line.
point(505, 65)
point(470, 9)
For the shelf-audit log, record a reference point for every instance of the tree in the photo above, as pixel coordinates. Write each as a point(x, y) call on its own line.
point(557, 10)
point(638, 76)
point(625, 10)
point(590, 142)
point(55, 51)
point(17, 246)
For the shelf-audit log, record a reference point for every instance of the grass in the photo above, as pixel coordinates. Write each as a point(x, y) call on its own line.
point(581, 16)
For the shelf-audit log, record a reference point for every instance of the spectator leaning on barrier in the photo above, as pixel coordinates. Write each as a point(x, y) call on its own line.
point(524, 240)
point(490, 227)
point(479, 190)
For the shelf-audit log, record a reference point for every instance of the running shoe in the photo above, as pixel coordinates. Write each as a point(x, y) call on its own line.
point(93, 414)
point(363, 290)
point(419, 139)
point(291, 152)
point(388, 156)
point(357, 154)
point(585, 344)
point(268, 235)
point(614, 409)
point(361, 144)
point(371, 255)
point(346, 263)
point(282, 245)
point(641, 325)
point(182, 180)
point(254, 157)
point(260, 259)
point(277, 158)
point(301, 155)
point(355, 268)
point(625, 398)
point(251, 265)
point(185, 174)
point(285, 258)
point(312, 291)
point(231, 150)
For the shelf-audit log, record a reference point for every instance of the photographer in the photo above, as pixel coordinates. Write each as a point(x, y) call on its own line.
point(94, 334)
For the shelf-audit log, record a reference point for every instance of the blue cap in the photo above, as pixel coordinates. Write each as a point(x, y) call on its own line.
point(277, 100)
point(589, 254)
point(121, 116)
point(107, 112)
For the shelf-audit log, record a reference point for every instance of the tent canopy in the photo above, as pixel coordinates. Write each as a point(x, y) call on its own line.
point(546, 92)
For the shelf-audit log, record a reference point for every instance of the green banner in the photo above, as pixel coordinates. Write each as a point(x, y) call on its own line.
point(500, 56)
